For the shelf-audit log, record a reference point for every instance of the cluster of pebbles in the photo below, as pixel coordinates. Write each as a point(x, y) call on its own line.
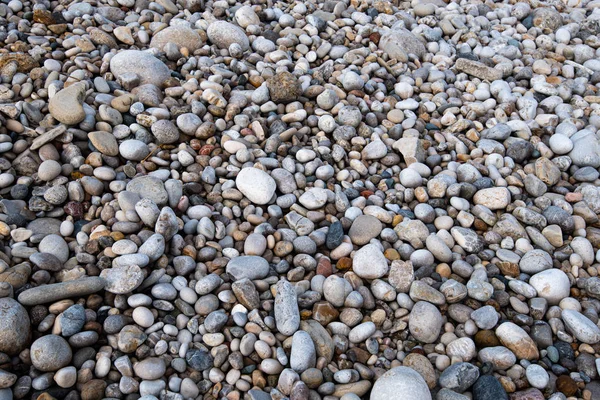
point(338, 199)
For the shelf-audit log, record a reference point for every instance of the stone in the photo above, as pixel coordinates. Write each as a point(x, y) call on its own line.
point(467, 239)
point(14, 326)
point(258, 186)
point(223, 34)
point(59, 291)
point(459, 377)
point(287, 315)
point(517, 340)
point(72, 320)
point(535, 261)
point(370, 263)
point(362, 332)
point(105, 142)
point(284, 88)
point(499, 356)
point(66, 105)
point(586, 149)
point(488, 387)
point(400, 43)
point(149, 187)
point(537, 376)
point(425, 322)
point(147, 67)
point(411, 149)
point(199, 359)
point(552, 285)
point(248, 267)
point(245, 16)
point(581, 327)
point(50, 353)
point(423, 366)
point(478, 69)
point(400, 383)
point(547, 19)
point(165, 132)
point(303, 354)
point(493, 198)
point(122, 279)
point(182, 36)
point(150, 368)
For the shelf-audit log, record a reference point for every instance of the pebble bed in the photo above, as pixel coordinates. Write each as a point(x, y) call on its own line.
point(301, 200)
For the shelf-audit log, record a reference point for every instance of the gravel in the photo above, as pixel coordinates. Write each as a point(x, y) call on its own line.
point(322, 200)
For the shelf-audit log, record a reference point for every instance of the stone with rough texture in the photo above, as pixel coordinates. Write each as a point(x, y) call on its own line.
point(14, 326)
point(287, 315)
point(122, 279)
point(400, 43)
point(147, 67)
point(182, 36)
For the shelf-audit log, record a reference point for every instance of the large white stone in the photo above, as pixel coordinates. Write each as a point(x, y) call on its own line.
point(256, 185)
point(581, 327)
point(493, 198)
point(400, 383)
point(370, 263)
point(551, 284)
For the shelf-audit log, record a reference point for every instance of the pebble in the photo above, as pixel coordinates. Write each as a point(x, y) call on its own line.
point(256, 185)
point(400, 383)
point(581, 326)
point(425, 322)
point(14, 326)
point(50, 353)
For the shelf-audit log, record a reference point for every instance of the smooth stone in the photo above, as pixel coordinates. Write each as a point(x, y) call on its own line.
point(256, 185)
point(362, 332)
point(364, 228)
point(517, 340)
point(150, 368)
point(287, 314)
point(181, 36)
point(551, 284)
point(122, 279)
point(59, 291)
point(581, 327)
point(535, 261)
point(66, 105)
point(50, 353)
point(105, 142)
point(303, 354)
point(369, 262)
point(537, 376)
point(149, 187)
point(250, 267)
point(400, 383)
point(149, 68)
point(425, 322)
point(223, 34)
